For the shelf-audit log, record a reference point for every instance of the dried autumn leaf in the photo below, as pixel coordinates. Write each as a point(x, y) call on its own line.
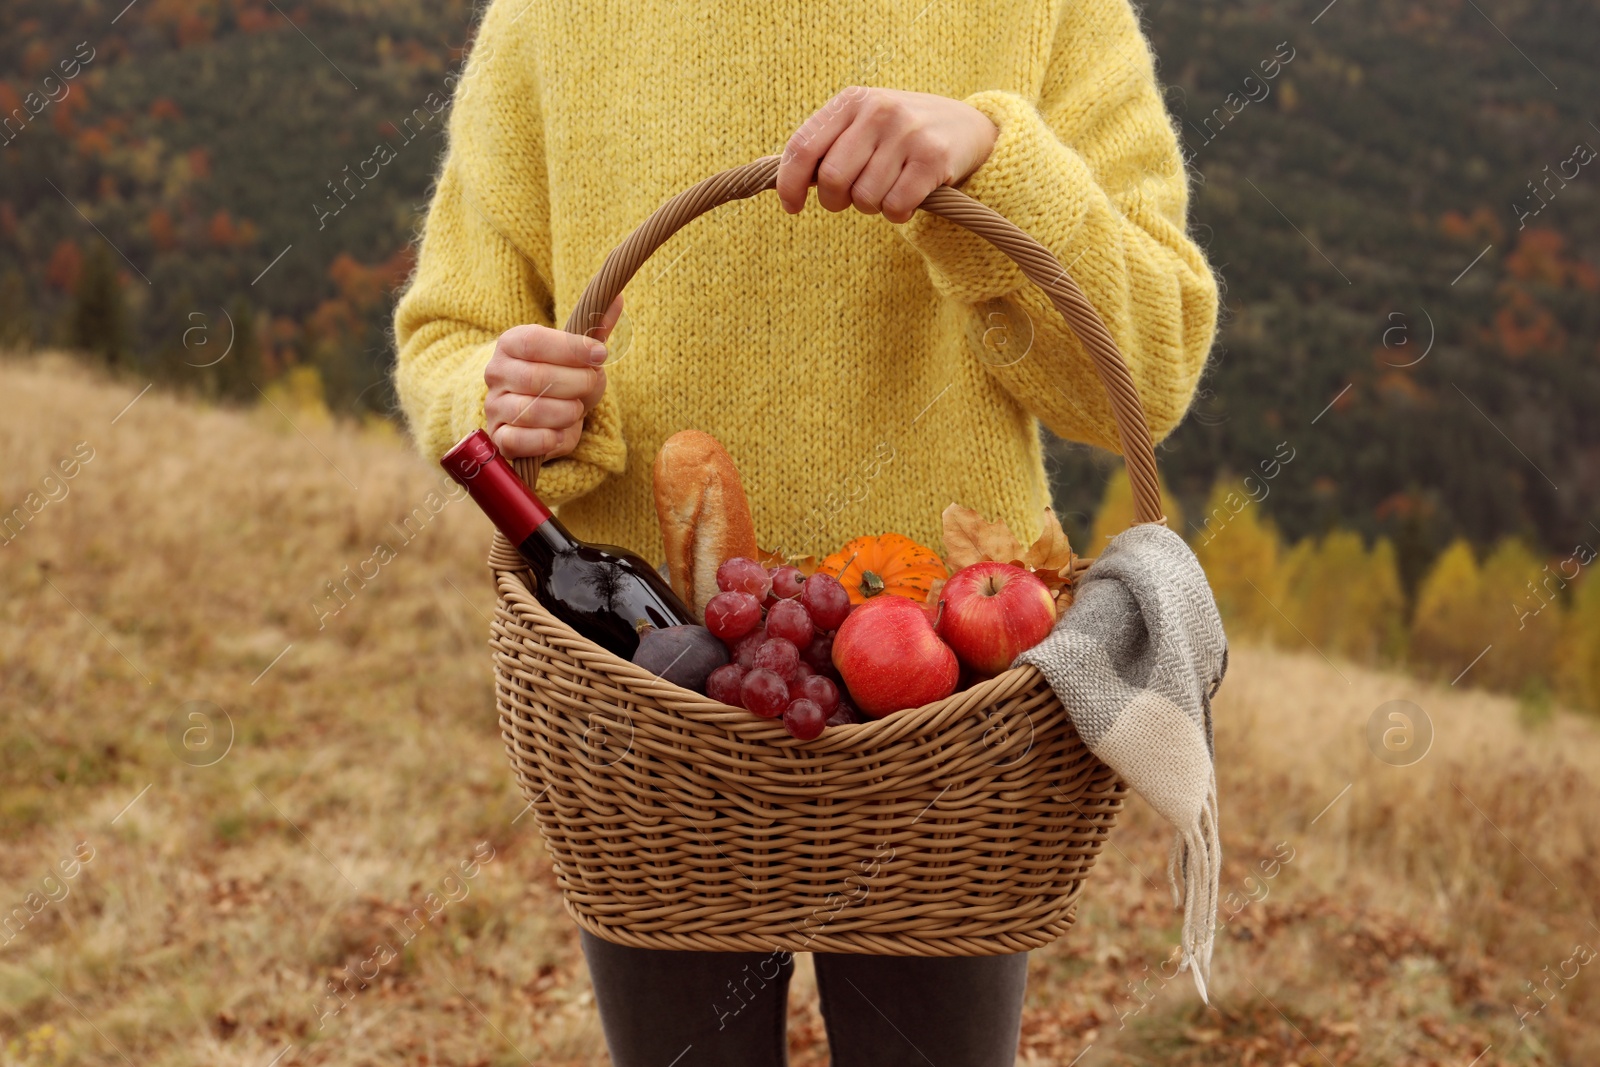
point(969, 538)
point(768, 558)
point(1051, 552)
point(1053, 582)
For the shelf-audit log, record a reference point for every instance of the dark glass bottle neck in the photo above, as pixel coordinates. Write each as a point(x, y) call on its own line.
point(548, 540)
point(492, 483)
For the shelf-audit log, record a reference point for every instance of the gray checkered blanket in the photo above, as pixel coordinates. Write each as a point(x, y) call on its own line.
point(1136, 660)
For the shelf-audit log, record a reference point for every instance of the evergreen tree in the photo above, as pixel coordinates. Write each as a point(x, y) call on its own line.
point(97, 313)
point(16, 311)
point(238, 374)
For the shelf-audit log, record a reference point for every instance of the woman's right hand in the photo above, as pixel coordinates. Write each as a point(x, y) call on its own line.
point(542, 382)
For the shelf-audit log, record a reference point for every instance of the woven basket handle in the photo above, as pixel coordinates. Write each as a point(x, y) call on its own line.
point(1037, 263)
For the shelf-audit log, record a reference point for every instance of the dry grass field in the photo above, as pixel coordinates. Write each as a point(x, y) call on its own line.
point(187, 901)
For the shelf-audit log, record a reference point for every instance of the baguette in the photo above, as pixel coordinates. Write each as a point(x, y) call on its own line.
point(705, 517)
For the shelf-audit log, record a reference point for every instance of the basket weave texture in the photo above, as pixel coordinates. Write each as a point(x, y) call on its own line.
point(966, 827)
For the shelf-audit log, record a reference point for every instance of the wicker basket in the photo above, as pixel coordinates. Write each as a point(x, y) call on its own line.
point(966, 827)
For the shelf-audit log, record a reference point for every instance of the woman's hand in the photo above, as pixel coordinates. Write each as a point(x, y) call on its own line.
point(542, 382)
point(883, 150)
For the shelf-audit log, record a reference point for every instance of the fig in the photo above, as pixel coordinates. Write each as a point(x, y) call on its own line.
point(683, 655)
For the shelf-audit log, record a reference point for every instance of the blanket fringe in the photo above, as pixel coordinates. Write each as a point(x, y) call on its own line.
point(1195, 860)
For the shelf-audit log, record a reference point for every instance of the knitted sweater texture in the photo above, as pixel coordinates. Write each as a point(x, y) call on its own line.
point(862, 374)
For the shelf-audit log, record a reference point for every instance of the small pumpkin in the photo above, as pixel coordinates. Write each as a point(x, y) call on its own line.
point(888, 563)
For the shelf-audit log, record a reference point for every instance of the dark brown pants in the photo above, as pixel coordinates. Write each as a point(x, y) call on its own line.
point(728, 1009)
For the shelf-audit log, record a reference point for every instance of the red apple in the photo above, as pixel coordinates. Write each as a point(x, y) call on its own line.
point(891, 658)
point(992, 612)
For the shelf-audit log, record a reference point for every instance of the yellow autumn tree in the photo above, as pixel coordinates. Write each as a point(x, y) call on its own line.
point(1448, 627)
point(1580, 646)
point(1241, 556)
point(1524, 620)
point(1503, 612)
point(1115, 513)
point(1344, 599)
point(1388, 600)
point(299, 391)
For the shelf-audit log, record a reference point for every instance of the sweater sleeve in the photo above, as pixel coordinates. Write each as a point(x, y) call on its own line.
point(1092, 170)
point(484, 265)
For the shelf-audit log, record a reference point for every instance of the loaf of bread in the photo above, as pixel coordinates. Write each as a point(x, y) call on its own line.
point(705, 518)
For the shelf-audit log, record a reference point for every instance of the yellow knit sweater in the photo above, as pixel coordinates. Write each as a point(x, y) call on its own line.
point(862, 374)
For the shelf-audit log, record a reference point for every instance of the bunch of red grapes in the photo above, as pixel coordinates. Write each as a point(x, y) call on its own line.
point(778, 625)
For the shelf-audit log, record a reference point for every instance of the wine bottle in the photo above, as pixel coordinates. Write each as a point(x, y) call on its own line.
point(605, 593)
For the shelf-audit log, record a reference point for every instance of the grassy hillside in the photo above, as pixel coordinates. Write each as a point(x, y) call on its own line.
point(1376, 179)
point(217, 887)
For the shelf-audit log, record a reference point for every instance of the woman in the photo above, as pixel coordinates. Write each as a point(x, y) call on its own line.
point(863, 372)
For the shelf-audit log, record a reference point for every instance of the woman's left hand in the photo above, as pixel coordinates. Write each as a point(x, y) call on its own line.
point(883, 150)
